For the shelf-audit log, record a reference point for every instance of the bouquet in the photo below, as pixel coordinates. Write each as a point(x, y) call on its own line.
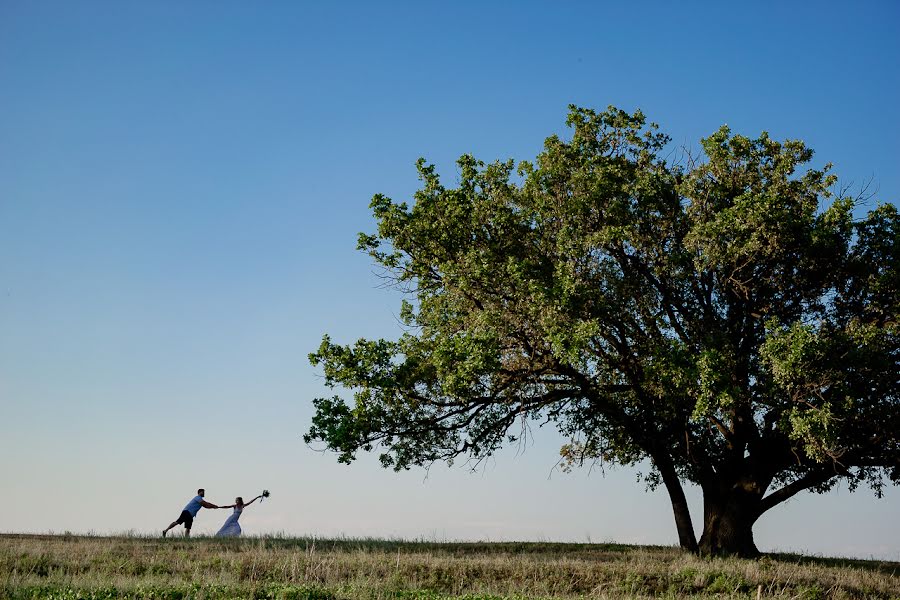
point(265, 495)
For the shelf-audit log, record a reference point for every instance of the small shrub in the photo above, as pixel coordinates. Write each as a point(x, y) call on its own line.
point(727, 583)
point(812, 592)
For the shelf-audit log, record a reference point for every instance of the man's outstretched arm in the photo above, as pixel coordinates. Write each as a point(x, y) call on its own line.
point(206, 504)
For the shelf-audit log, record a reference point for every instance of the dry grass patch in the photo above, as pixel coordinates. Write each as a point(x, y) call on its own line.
point(310, 569)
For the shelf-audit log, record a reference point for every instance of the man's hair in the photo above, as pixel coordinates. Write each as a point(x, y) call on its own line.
point(200, 491)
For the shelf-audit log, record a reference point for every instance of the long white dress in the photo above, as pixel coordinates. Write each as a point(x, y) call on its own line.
point(231, 528)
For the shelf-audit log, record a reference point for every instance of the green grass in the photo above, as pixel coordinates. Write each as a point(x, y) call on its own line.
point(82, 567)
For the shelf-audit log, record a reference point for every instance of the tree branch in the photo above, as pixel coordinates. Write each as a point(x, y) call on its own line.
point(809, 480)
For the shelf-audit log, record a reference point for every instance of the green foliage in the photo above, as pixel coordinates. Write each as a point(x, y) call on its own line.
point(727, 583)
point(730, 318)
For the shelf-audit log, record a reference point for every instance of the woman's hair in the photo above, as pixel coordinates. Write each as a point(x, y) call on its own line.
point(239, 500)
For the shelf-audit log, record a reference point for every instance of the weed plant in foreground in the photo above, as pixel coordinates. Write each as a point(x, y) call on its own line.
point(73, 567)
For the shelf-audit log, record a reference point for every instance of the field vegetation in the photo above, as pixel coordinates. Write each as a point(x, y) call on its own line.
point(72, 567)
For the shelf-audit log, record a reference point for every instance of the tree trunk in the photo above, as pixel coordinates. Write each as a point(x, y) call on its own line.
point(687, 539)
point(686, 536)
point(728, 518)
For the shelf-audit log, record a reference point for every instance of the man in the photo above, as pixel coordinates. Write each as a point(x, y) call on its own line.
point(190, 511)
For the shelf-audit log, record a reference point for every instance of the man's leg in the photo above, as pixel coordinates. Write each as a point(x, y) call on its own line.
point(171, 525)
point(188, 520)
point(184, 517)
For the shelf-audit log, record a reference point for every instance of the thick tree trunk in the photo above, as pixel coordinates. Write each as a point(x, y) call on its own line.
point(728, 518)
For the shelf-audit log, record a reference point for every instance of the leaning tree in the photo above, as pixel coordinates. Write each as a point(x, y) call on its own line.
point(729, 318)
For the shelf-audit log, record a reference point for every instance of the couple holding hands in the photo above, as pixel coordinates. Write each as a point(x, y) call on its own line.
point(231, 528)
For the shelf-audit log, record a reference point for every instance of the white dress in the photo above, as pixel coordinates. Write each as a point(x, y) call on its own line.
point(231, 528)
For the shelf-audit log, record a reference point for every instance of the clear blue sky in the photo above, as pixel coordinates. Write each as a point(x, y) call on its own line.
point(181, 185)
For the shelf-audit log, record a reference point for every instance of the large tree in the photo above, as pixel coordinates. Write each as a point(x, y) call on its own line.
point(730, 317)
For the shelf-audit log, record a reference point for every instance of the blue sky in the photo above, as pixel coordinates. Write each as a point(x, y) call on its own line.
point(181, 185)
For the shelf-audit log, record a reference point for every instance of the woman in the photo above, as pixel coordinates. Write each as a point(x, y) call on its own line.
point(232, 528)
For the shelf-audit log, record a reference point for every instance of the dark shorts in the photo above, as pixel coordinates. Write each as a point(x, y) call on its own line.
point(185, 518)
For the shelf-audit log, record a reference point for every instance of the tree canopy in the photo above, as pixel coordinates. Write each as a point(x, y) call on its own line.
point(730, 317)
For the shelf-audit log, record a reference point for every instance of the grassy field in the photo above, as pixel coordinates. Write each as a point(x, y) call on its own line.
point(71, 567)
